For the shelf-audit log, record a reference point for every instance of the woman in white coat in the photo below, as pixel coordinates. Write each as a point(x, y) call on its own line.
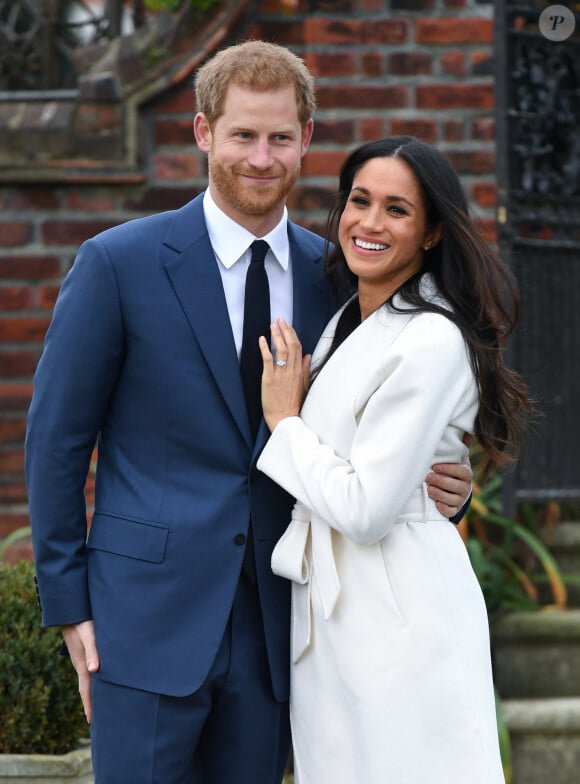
point(391, 672)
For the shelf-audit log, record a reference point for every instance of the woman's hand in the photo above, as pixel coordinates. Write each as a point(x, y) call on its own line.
point(285, 380)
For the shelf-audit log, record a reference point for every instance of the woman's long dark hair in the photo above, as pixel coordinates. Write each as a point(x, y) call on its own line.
point(481, 289)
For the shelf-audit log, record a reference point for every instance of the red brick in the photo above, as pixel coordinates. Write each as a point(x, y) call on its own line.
point(481, 57)
point(372, 64)
point(33, 198)
point(372, 128)
point(12, 430)
point(17, 362)
point(332, 31)
point(11, 521)
point(71, 232)
point(454, 130)
point(12, 492)
point(95, 201)
point(23, 330)
point(489, 229)
point(453, 63)
point(159, 197)
point(472, 162)
point(29, 267)
point(11, 461)
point(311, 198)
point(177, 101)
point(336, 131)
point(175, 131)
point(15, 297)
point(175, 165)
point(19, 551)
point(47, 296)
point(355, 97)
point(288, 32)
point(485, 194)
point(390, 31)
point(411, 5)
point(410, 63)
point(455, 96)
point(483, 129)
point(331, 64)
point(323, 163)
point(15, 397)
point(15, 233)
point(455, 30)
point(426, 130)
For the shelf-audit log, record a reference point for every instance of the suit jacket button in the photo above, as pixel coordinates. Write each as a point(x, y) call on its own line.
point(240, 539)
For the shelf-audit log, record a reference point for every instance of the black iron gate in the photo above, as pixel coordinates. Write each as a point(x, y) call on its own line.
point(538, 136)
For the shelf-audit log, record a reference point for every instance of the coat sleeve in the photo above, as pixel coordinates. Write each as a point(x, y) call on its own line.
point(427, 387)
point(72, 386)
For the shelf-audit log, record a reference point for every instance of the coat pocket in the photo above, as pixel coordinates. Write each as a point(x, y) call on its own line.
point(145, 541)
point(392, 593)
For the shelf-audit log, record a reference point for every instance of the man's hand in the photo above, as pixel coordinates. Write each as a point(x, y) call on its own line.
point(449, 485)
point(82, 648)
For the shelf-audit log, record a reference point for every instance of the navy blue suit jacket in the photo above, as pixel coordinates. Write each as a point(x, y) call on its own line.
point(140, 355)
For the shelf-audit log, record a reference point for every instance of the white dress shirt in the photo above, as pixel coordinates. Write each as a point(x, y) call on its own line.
point(231, 245)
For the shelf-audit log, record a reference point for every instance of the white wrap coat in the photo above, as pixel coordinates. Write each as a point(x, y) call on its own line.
point(391, 673)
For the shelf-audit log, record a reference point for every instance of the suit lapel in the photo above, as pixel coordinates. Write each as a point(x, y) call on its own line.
point(313, 305)
point(192, 269)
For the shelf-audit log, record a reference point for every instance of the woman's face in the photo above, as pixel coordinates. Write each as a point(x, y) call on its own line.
point(383, 228)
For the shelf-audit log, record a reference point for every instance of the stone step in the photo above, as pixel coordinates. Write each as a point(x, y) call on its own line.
point(537, 654)
point(545, 740)
point(564, 543)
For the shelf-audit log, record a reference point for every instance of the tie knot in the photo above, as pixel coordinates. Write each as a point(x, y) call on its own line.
point(259, 250)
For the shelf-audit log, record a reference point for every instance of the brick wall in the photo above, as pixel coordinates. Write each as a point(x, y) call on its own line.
point(420, 67)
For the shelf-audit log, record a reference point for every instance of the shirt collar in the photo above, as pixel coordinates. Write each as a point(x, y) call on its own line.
point(230, 240)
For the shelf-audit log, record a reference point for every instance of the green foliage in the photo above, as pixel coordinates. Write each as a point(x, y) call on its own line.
point(173, 5)
point(40, 708)
point(508, 555)
point(505, 747)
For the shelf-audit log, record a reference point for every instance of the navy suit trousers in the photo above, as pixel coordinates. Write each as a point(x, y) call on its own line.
point(230, 731)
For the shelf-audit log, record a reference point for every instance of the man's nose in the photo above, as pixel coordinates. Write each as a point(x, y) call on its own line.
point(261, 154)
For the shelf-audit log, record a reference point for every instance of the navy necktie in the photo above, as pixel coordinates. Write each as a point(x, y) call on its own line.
point(256, 323)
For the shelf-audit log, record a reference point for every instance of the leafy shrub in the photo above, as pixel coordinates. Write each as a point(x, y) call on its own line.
point(508, 555)
point(40, 707)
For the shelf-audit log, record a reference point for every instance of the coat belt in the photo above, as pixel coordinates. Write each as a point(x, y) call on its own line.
point(290, 559)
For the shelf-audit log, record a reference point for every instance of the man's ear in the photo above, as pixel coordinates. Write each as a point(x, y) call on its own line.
point(202, 132)
point(306, 137)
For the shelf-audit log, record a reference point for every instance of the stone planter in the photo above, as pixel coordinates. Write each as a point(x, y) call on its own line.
point(72, 768)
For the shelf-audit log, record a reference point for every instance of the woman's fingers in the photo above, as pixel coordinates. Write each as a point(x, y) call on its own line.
point(288, 347)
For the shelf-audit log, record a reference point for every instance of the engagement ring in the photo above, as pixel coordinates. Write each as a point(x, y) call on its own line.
point(280, 362)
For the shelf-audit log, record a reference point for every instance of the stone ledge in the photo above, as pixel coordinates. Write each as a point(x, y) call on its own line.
point(545, 624)
point(66, 137)
point(545, 740)
point(72, 768)
point(537, 654)
point(546, 716)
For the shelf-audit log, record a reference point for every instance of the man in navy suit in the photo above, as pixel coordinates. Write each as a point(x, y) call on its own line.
point(181, 651)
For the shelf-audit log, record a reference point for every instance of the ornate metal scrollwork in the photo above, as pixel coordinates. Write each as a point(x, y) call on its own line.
point(38, 38)
point(543, 116)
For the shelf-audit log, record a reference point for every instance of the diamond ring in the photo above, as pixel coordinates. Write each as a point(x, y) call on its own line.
point(281, 362)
